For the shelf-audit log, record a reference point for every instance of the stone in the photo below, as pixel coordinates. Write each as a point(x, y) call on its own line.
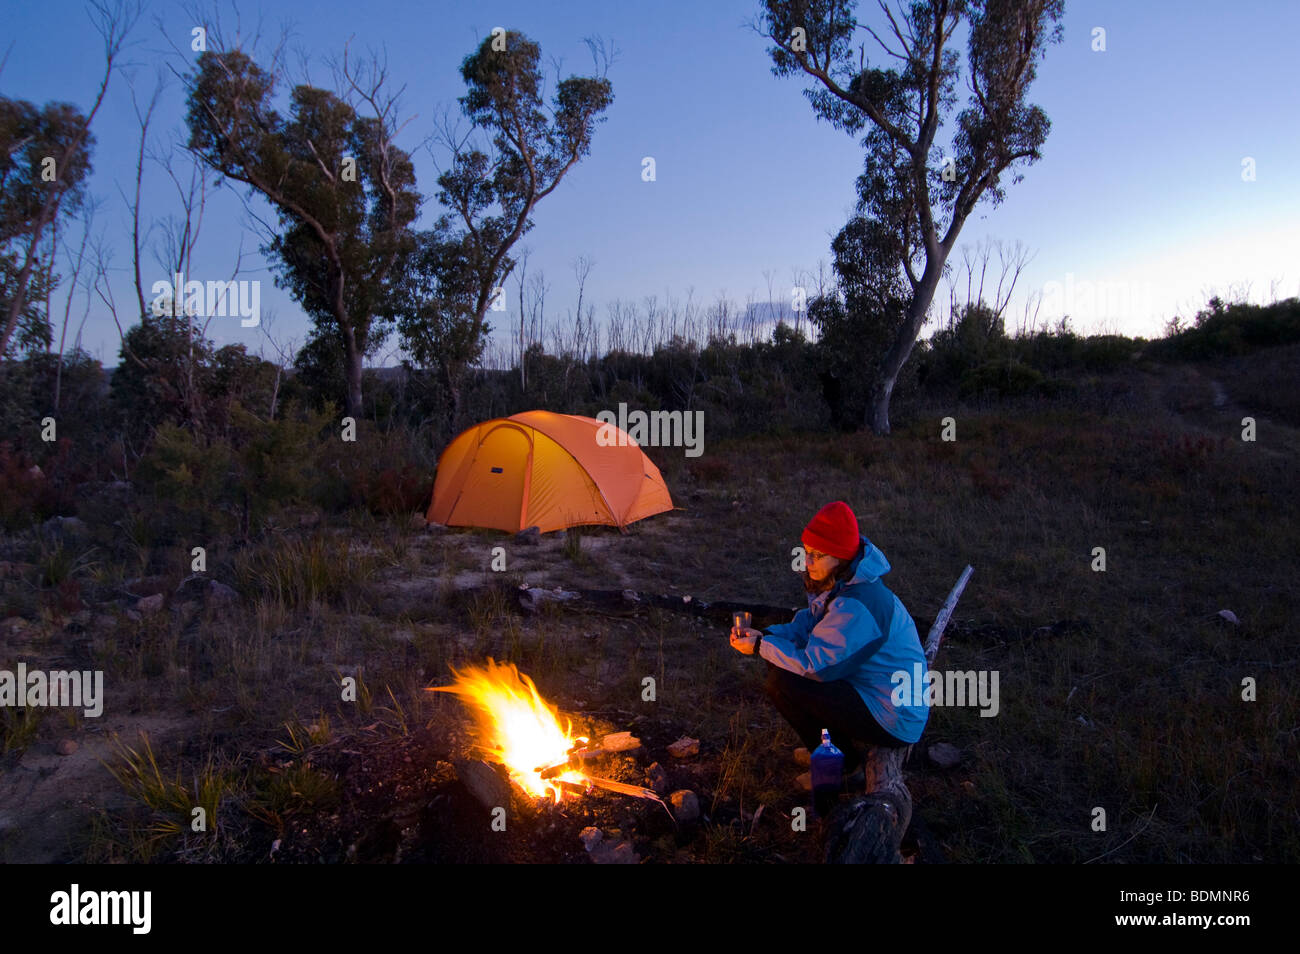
point(686, 805)
point(418, 522)
point(616, 853)
point(656, 778)
point(1230, 616)
point(620, 742)
point(66, 747)
point(529, 537)
point(615, 850)
point(802, 757)
point(944, 756)
point(222, 594)
point(684, 747)
point(150, 604)
point(65, 526)
point(804, 782)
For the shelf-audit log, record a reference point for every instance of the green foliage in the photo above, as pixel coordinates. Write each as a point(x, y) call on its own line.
point(976, 337)
point(1003, 377)
point(30, 203)
point(1235, 329)
point(490, 198)
point(342, 239)
point(195, 478)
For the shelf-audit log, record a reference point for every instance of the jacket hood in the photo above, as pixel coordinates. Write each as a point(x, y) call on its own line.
point(871, 566)
point(868, 568)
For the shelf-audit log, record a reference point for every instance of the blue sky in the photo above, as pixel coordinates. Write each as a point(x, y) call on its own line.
point(1138, 210)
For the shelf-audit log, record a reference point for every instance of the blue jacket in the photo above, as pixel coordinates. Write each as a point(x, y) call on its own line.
point(857, 631)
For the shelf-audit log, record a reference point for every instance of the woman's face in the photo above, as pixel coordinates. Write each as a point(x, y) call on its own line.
point(820, 565)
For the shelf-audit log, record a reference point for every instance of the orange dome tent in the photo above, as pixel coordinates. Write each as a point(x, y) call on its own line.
point(548, 470)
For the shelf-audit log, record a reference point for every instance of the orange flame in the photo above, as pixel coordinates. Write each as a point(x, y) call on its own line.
point(516, 726)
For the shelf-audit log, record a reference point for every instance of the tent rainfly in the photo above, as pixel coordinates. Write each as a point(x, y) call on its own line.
point(548, 470)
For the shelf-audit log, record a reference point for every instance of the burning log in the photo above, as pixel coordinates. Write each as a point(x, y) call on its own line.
point(518, 729)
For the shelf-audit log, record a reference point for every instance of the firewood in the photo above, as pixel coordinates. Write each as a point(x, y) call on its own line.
point(484, 783)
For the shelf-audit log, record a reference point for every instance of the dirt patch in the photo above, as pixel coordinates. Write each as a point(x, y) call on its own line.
point(45, 796)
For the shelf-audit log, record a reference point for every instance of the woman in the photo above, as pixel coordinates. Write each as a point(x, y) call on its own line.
point(832, 666)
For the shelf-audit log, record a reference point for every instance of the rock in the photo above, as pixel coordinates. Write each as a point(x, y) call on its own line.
point(656, 778)
point(529, 537)
point(944, 756)
point(13, 571)
point(601, 851)
point(150, 604)
point(133, 616)
point(620, 742)
point(1230, 616)
point(802, 757)
point(65, 527)
point(14, 626)
point(196, 586)
point(418, 522)
point(804, 782)
point(631, 596)
point(35, 473)
point(686, 806)
point(66, 747)
point(684, 747)
point(221, 594)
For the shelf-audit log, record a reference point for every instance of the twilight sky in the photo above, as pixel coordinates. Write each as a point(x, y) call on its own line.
point(1139, 209)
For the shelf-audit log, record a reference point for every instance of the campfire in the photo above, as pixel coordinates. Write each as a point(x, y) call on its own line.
point(519, 729)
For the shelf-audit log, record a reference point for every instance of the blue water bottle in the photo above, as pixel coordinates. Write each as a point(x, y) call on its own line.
point(827, 775)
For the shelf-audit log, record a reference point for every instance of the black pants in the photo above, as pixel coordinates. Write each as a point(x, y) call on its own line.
point(810, 706)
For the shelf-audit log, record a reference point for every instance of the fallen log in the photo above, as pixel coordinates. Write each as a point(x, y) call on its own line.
point(629, 602)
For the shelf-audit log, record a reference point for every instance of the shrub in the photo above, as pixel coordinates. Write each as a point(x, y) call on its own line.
point(1005, 378)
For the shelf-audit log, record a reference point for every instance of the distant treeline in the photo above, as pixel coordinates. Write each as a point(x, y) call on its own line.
point(224, 441)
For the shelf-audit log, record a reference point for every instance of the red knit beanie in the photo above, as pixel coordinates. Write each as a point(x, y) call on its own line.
point(834, 530)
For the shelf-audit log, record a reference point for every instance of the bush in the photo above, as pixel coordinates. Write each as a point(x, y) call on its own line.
point(1108, 352)
point(1004, 378)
